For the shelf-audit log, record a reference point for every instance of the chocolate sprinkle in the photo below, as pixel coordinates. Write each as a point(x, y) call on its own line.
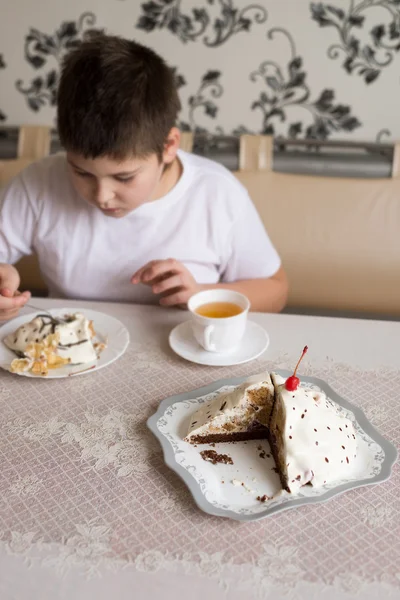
point(223, 406)
point(347, 459)
point(326, 460)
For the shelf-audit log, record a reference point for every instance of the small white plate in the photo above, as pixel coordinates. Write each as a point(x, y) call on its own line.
point(218, 490)
point(108, 329)
point(255, 341)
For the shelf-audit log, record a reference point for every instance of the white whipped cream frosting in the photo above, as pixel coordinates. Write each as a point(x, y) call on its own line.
point(320, 442)
point(75, 337)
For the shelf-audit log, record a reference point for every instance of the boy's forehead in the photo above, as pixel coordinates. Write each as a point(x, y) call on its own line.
point(107, 165)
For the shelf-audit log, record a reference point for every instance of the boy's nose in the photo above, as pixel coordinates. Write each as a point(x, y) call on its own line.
point(102, 195)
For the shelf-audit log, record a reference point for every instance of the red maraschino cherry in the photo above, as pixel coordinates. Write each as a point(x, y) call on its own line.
point(293, 382)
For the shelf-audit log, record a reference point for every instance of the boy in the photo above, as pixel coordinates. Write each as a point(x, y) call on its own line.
point(124, 215)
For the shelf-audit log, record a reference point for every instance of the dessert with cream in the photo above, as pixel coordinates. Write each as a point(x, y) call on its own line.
point(53, 342)
point(311, 440)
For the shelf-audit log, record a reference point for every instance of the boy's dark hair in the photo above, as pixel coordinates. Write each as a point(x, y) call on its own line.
point(116, 98)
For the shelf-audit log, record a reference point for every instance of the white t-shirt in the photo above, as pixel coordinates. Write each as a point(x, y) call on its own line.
point(207, 221)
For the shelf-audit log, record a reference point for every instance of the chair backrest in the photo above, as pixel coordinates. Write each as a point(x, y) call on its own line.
point(338, 237)
point(33, 144)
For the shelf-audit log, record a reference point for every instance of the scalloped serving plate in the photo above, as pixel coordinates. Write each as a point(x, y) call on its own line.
point(231, 490)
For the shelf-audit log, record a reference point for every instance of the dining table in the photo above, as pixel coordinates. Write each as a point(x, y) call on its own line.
point(89, 509)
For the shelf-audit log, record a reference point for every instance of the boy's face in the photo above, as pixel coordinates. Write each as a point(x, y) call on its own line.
point(118, 187)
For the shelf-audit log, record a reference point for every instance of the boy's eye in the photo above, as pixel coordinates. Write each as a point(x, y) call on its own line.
point(124, 179)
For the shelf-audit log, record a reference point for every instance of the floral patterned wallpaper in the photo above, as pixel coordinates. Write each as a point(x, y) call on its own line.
point(289, 67)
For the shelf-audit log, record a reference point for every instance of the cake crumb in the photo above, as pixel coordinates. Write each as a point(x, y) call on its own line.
point(263, 498)
point(215, 458)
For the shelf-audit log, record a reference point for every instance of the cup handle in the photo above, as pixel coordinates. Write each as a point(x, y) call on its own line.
point(208, 345)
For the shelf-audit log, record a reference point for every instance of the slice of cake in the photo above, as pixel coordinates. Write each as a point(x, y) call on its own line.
point(235, 416)
point(312, 442)
point(72, 340)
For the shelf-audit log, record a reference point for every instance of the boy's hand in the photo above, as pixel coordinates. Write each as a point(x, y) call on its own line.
point(11, 300)
point(169, 278)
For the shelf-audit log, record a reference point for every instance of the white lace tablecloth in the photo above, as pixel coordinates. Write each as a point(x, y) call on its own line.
point(89, 510)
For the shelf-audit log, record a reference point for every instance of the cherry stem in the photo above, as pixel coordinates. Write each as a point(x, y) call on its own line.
point(299, 361)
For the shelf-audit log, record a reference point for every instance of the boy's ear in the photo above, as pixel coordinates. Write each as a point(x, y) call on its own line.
point(171, 145)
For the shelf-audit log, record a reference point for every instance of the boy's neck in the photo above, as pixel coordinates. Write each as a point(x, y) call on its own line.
point(169, 179)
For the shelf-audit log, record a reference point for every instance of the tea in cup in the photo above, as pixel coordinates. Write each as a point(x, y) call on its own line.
point(219, 319)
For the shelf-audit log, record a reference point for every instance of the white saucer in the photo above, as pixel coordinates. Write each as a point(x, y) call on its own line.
point(255, 341)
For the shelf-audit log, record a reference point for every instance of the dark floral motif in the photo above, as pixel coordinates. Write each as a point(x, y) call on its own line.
point(2, 66)
point(366, 59)
point(290, 89)
point(190, 27)
point(40, 47)
point(382, 134)
point(179, 78)
point(210, 88)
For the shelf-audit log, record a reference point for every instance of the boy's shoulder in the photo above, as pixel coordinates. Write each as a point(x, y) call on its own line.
point(53, 166)
point(210, 171)
point(40, 181)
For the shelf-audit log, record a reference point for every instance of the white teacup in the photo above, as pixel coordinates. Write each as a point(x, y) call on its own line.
point(219, 334)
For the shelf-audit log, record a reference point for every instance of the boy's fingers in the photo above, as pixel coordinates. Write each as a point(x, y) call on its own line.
point(6, 292)
point(160, 268)
point(5, 315)
point(178, 297)
point(8, 302)
point(136, 277)
point(155, 269)
point(170, 282)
